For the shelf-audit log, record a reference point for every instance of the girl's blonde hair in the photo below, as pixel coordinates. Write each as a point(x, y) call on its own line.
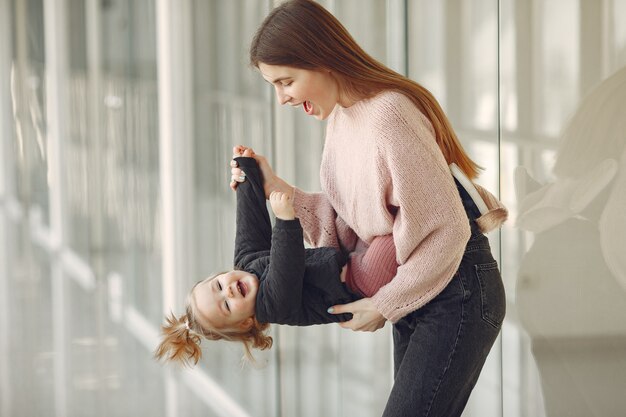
point(302, 34)
point(181, 336)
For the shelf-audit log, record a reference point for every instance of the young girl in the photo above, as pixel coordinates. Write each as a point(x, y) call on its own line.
point(275, 280)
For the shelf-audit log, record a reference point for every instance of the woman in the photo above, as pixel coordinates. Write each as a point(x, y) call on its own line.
point(385, 170)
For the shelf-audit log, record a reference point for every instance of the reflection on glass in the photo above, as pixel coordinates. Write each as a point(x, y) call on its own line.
point(558, 62)
point(230, 107)
point(571, 288)
point(326, 370)
point(28, 95)
point(563, 267)
point(426, 35)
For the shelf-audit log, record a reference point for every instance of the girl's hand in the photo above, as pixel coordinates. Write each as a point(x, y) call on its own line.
point(271, 181)
point(365, 316)
point(282, 206)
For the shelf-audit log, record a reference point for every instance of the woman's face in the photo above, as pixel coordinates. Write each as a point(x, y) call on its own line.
point(226, 301)
point(317, 92)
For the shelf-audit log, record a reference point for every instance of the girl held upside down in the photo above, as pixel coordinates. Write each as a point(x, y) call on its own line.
point(275, 280)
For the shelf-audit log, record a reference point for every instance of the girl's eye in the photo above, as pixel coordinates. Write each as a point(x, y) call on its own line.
point(219, 286)
point(227, 306)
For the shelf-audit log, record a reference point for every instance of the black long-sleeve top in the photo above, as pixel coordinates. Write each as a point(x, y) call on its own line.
point(296, 285)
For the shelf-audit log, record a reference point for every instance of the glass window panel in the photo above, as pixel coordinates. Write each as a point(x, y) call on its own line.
point(108, 368)
point(480, 69)
point(28, 329)
point(563, 339)
point(28, 91)
point(320, 360)
point(453, 51)
point(426, 34)
point(231, 106)
point(359, 17)
point(558, 56)
point(509, 67)
point(365, 371)
point(619, 42)
point(123, 188)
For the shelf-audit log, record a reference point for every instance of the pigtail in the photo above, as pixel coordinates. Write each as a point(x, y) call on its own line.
point(181, 336)
point(180, 343)
point(256, 338)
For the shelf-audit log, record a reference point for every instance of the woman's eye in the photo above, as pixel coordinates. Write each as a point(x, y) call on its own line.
point(288, 84)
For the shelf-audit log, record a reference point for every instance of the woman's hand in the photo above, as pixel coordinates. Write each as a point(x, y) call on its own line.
point(237, 175)
point(365, 316)
point(271, 181)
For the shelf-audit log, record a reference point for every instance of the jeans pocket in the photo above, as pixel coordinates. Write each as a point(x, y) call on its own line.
point(492, 298)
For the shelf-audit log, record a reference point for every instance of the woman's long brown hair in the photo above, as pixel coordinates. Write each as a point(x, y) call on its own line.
point(302, 34)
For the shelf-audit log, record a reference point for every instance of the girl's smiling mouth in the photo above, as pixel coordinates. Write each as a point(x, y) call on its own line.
point(242, 287)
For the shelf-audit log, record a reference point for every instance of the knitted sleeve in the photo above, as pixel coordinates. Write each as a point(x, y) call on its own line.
point(321, 225)
point(430, 228)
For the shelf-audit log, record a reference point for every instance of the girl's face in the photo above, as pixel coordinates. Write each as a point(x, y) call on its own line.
point(226, 301)
point(317, 92)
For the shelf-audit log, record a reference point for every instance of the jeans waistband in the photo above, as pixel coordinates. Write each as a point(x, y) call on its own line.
point(471, 210)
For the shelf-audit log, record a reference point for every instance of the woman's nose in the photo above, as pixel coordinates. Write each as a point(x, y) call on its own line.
point(282, 97)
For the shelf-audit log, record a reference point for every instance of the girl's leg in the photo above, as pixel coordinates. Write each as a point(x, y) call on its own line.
point(254, 228)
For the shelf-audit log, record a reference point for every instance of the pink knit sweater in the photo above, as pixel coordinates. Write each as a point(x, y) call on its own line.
point(371, 267)
point(382, 172)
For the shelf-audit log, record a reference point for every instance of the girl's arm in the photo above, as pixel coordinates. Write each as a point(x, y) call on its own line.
point(285, 275)
point(284, 279)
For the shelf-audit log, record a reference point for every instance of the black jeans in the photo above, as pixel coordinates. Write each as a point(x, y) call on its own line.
point(440, 349)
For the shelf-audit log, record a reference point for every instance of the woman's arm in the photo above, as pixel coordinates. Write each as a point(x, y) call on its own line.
point(430, 228)
point(322, 226)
